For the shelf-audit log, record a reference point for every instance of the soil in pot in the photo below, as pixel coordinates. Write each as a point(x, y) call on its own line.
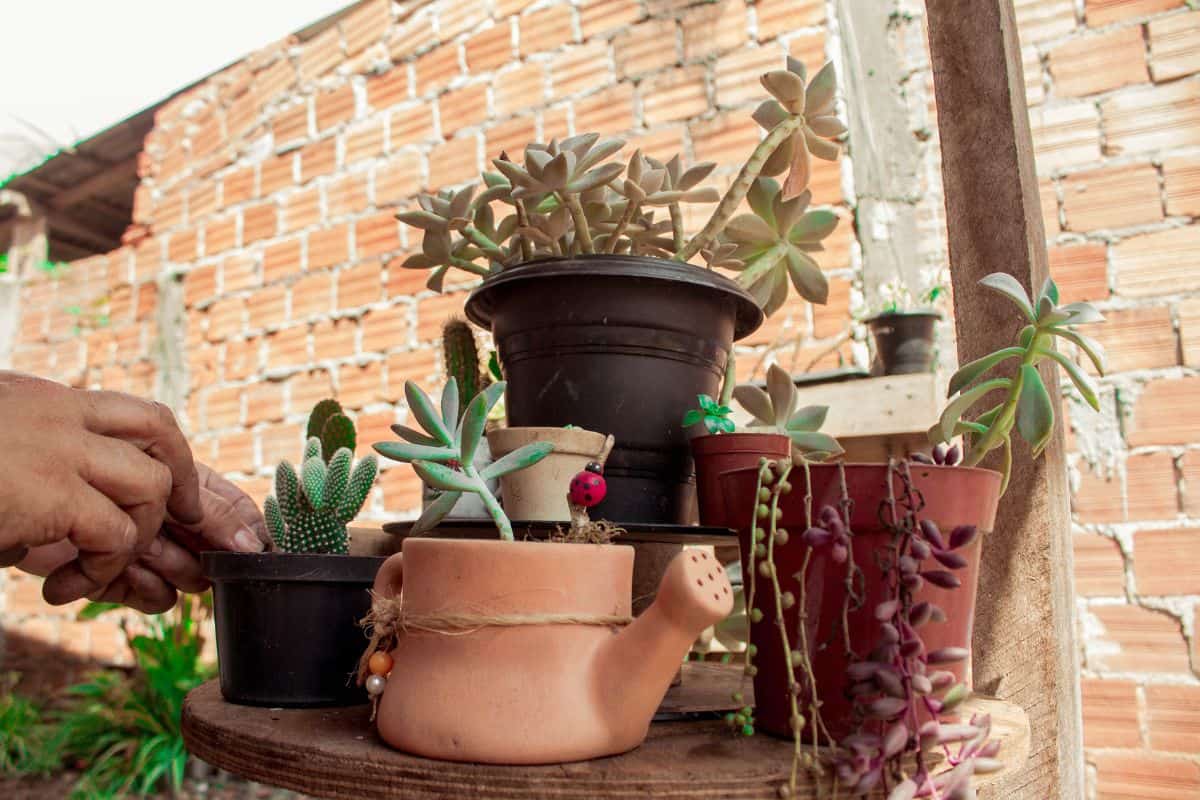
point(540, 492)
point(953, 496)
point(618, 345)
point(715, 455)
point(287, 626)
point(903, 342)
point(524, 653)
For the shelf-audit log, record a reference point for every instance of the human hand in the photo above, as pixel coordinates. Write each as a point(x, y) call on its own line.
point(98, 470)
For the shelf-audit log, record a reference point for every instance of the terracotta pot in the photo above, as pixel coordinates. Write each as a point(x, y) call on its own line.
point(540, 492)
point(535, 693)
point(715, 455)
point(953, 496)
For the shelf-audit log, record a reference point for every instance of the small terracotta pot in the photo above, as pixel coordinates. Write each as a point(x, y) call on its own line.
point(715, 455)
point(540, 492)
point(526, 692)
point(953, 496)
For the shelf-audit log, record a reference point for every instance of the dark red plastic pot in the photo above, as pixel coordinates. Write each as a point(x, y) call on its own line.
point(620, 345)
point(953, 496)
point(715, 455)
point(903, 341)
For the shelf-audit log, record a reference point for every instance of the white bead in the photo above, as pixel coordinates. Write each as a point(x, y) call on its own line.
point(375, 685)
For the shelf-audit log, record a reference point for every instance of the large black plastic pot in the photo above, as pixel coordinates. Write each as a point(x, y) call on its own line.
point(620, 345)
point(903, 341)
point(287, 626)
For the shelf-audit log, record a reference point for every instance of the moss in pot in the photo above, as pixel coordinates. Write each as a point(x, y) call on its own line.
point(589, 293)
point(533, 643)
point(286, 620)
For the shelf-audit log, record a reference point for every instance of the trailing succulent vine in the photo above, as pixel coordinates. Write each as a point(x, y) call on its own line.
point(1027, 405)
point(569, 197)
point(309, 511)
point(443, 452)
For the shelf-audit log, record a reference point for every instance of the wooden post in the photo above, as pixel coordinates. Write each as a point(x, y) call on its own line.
point(1024, 643)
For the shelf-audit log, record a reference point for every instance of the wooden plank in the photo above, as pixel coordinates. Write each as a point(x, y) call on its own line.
point(883, 406)
point(110, 175)
point(1024, 643)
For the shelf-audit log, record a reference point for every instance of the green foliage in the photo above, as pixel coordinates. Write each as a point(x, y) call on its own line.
point(776, 408)
point(308, 512)
point(24, 735)
point(443, 451)
point(124, 731)
point(1027, 405)
point(715, 417)
point(461, 354)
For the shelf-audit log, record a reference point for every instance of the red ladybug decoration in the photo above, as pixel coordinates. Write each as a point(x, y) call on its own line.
point(588, 487)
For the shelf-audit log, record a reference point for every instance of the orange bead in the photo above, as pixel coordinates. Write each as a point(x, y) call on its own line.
point(380, 663)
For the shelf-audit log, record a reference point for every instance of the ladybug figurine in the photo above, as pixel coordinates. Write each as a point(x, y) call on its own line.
point(588, 487)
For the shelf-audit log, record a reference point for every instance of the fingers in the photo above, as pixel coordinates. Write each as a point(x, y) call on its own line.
point(222, 528)
point(13, 556)
point(152, 428)
point(245, 507)
point(106, 537)
point(139, 588)
point(175, 565)
point(131, 479)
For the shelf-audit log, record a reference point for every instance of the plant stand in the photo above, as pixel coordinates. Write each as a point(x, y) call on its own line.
point(335, 753)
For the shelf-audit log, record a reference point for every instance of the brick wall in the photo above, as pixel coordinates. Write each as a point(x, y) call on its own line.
point(266, 210)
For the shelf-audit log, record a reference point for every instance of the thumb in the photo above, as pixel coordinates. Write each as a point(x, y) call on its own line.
point(221, 527)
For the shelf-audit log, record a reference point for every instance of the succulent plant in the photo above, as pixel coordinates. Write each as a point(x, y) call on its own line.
point(308, 512)
point(715, 417)
point(1027, 405)
point(460, 351)
point(443, 455)
point(776, 408)
point(569, 198)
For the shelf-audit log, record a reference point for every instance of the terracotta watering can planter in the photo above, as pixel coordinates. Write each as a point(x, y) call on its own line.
point(539, 493)
point(953, 496)
point(715, 455)
point(524, 653)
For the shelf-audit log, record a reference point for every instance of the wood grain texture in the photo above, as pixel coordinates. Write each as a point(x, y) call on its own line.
point(1024, 642)
point(335, 753)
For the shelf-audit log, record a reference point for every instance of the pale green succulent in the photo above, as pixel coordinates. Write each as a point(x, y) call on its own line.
point(776, 408)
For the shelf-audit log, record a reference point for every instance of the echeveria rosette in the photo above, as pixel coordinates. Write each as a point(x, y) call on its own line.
point(777, 408)
point(1027, 405)
point(714, 415)
point(774, 243)
point(814, 104)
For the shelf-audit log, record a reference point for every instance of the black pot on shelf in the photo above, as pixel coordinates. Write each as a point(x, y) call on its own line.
point(620, 345)
point(287, 626)
point(903, 341)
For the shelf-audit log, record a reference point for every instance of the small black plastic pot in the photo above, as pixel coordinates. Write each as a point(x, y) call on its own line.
point(903, 341)
point(620, 345)
point(287, 626)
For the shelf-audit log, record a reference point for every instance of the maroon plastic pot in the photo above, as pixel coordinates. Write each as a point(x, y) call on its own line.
point(717, 454)
point(953, 496)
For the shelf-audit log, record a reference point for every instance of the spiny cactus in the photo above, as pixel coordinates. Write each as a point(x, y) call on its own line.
point(309, 511)
point(461, 354)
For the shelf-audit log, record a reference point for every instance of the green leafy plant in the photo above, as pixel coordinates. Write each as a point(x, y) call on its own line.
point(567, 197)
point(443, 452)
point(24, 735)
point(1026, 405)
point(715, 417)
point(776, 408)
point(124, 730)
point(308, 512)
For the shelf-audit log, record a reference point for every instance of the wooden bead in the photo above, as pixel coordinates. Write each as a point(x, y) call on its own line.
point(380, 663)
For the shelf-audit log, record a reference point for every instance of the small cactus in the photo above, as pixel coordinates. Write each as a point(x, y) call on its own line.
point(461, 354)
point(309, 510)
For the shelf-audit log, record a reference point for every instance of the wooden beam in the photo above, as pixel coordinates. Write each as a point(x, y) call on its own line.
point(109, 176)
point(1024, 643)
point(98, 240)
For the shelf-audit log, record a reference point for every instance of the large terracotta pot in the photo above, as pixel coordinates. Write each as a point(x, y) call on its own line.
point(516, 690)
point(715, 455)
point(953, 496)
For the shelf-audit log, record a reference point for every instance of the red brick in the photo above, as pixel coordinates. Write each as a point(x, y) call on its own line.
point(307, 389)
point(259, 222)
point(1165, 413)
point(1099, 566)
point(580, 68)
point(1174, 717)
point(458, 18)
point(267, 307)
point(1098, 497)
point(401, 489)
point(675, 95)
point(239, 272)
point(182, 246)
point(737, 74)
point(1152, 119)
point(334, 107)
point(462, 108)
point(328, 246)
point(360, 385)
point(366, 25)
point(510, 137)
point(401, 282)
point(597, 17)
point(199, 285)
point(545, 30)
point(387, 328)
point(1181, 176)
point(1189, 331)
point(364, 143)
point(282, 442)
point(376, 234)
point(320, 55)
point(281, 259)
point(1136, 338)
point(1151, 487)
point(312, 295)
point(346, 194)
point(1064, 135)
point(490, 48)
point(1157, 557)
point(220, 234)
point(456, 161)
point(147, 301)
point(645, 47)
point(778, 17)
point(334, 339)
point(411, 36)
point(302, 208)
point(432, 313)
point(436, 69)
point(291, 125)
point(1142, 775)
point(718, 28)
point(318, 159)
point(724, 139)
point(388, 89)
point(1136, 639)
point(610, 110)
point(276, 173)
point(264, 402)
point(1115, 197)
point(519, 89)
point(1190, 468)
point(374, 427)
point(1103, 12)
point(1091, 64)
point(1175, 46)
point(226, 318)
point(1080, 271)
point(412, 125)
point(223, 408)
point(555, 124)
point(1110, 713)
point(415, 365)
point(359, 286)
point(235, 452)
point(1158, 263)
point(288, 347)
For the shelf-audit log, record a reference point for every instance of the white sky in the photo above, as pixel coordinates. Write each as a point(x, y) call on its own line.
point(75, 67)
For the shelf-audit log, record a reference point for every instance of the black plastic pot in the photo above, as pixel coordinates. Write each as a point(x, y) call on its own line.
point(903, 341)
point(620, 345)
point(287, 626)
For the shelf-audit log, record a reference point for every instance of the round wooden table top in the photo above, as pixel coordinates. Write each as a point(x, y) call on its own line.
point(335, 753)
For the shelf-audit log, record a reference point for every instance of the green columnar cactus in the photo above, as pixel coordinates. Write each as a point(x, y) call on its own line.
point(461, 353)
point(309, 511)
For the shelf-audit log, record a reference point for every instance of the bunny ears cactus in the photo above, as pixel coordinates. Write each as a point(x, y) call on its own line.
point(1027, 404)
point(568, 198)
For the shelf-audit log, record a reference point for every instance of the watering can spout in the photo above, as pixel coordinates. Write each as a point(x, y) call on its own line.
point(636, 667)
